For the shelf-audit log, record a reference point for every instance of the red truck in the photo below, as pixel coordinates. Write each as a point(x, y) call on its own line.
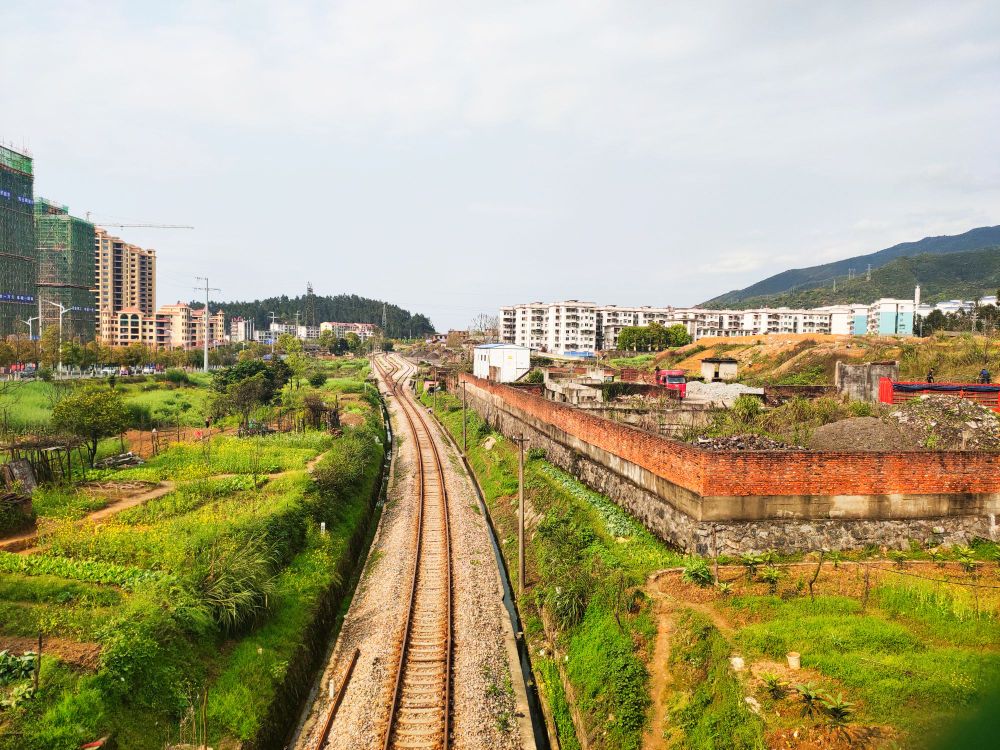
point(674, 380)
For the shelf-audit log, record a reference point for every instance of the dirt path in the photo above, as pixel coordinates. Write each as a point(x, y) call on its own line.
point(660, 679)
point(79, 653)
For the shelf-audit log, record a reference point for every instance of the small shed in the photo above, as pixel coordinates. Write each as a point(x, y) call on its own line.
point(714, 369)
point(501, 363)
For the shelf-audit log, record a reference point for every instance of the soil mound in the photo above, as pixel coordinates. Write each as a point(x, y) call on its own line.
point(864, 434)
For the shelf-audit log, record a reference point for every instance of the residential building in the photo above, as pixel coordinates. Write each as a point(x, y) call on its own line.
point(175, 326)
point(891, 317)
point(125, 279)
point(65, 271)
point(241, 329)
point(18, 252)
point(133, 326)
point(307, 333)
point(567, 328)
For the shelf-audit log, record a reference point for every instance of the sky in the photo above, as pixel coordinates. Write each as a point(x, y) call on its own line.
point(453, 157)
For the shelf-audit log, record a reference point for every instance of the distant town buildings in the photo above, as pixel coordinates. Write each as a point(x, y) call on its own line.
point(575, 328)
point(363, 331)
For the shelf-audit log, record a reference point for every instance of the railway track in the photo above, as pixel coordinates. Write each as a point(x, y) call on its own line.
point(420, 709)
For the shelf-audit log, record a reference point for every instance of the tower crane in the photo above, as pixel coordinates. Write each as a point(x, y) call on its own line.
point(139, 225)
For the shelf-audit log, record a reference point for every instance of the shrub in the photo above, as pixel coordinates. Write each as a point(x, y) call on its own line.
point(317, 380)
point(774, 686)
point(696, 571)
point(234, 578)
point(178, 377)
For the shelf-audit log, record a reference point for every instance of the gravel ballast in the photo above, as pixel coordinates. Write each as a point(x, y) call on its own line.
point(483, 707)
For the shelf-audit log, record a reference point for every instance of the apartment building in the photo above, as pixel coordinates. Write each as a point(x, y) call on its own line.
point(891, 317)
point(125, 277)
point(583, 328)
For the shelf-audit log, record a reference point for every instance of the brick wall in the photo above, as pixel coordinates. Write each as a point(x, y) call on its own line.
point(785, 473)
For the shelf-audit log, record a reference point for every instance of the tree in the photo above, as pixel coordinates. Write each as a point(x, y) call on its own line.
point(242, 397)
point(486, 328)
point(50, 346)
point(91, 414)
point(354, 343)
point(678, 335)
point(295, 357)
point(327, 341)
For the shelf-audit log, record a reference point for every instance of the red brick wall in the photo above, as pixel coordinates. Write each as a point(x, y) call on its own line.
point(714, 473)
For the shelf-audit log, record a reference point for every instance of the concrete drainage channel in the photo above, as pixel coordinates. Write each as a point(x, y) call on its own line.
point(538, 726)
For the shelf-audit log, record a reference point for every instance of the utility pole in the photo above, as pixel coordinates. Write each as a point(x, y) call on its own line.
point(520, 513)
point(273, 316)
point(207, 290)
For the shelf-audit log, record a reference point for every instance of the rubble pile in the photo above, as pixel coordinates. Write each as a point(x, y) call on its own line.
point(949, 423)
point(747, 442)
point(120, 461)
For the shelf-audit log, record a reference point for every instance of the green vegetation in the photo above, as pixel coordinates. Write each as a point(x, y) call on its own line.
point(586, 563)
point(90, 414)
point(936, 261)
point(707, 702)
point(223, 586)
point(344, 308)
point(897, 651)
point(652, 338)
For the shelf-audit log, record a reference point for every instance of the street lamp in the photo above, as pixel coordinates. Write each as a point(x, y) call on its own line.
point(62, 311)
point(28, 322)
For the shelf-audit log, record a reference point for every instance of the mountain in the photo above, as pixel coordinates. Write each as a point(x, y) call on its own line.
point(957, 275)
point(798, 279)
point(343, 308)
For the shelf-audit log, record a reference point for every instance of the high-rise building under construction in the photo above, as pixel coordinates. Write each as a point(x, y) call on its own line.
point(18, 254)
point(126, 280)
point(65, 271)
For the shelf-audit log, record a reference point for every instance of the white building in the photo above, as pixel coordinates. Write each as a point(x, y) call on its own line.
point(501, 363)
point(241, 329)
point(573, 327)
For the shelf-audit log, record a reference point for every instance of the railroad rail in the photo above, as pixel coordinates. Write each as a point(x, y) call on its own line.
point(420, 711)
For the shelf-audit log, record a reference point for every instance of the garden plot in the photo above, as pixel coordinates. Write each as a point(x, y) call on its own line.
point(890, 651)
point(207, 589)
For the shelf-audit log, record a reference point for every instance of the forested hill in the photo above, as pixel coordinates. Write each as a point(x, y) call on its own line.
point(343, 308)
point(965, 275)
point(799, 279)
